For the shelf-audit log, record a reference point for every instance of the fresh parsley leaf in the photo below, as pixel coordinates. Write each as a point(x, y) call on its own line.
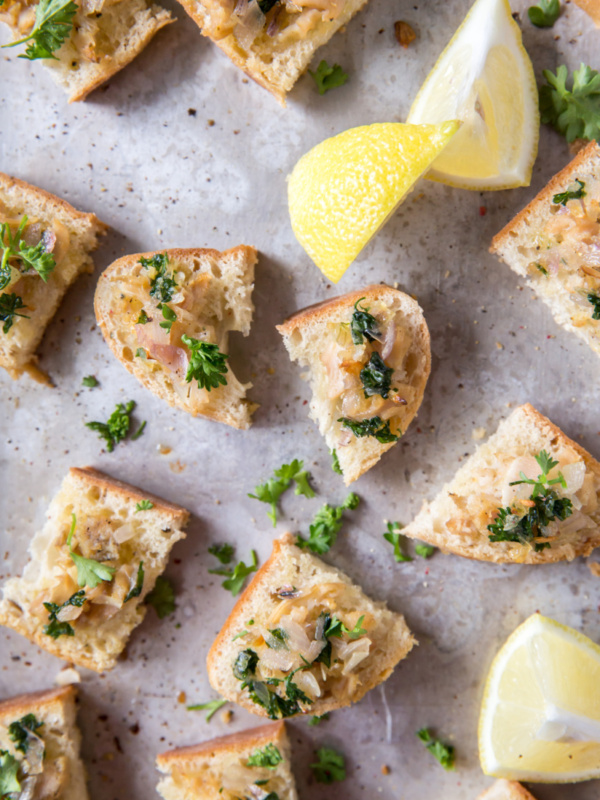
point(335, 627)
point(335, 463)
point(224, 552)
point(573, 112)
point(162, 597)
point(162, 283)
point(53, 24)
point(269, 757)
point(89, 572)
point(9, 767)
point(295, 472)
point(90, 381)
point(545, 14)
point(272, 489)
point(562, 198)
point(212, 706)
point(141, 352)
point(235, 577)
point(169, 317)
point(317, 720)
point(18, 254)
point(136, 590)
point(276, 639)
point(9, 305)
point(143, 505)
point(326, 525)
point(395, 538)
point(143, 318)
point(444, 753)
point(139, 431)
point(19, 731)
point(116, 428)
point(363, 325)
point(594, 299)
point(245, 664)
point(327, 77)
point(330, 766)
point(424, 550)
point(207, 364)
point(376, 377)
point(374, 426)
point(55, 628)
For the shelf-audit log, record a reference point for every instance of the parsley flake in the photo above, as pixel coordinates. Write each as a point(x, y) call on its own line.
point(143, 318)
point(20, 731)
point(424, 550)
point(326, 525)
point(55, 628)
point(330, 766)
point(396, 539)
point(207, 364)
point(169, 317)
point(9, 305)
point(376, 377)
point(444, 753)
point(562, 198)
point(234, 578)
point(327, 77)
point(594, 299)
point(268, 757)
point(116, 428)
point(162, 597)
point(363, 325)
point(136, 590)
point(89, 572)
point(143, 505)
point(224, 552)
point(335, 463)
point(212, 706)
point(162, 283)
point(90, 381)
point(317, 720)
point(544, 14)
point(374, 426)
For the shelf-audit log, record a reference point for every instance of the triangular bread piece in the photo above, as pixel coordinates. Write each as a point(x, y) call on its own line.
point(116, 525)
point(211, 296)
point(320, 338)
point(457, 520)
point(275, 643)
point(69, 236)
point(506, 790)
point(230, 767)
point(39, 730)
point(553, 245)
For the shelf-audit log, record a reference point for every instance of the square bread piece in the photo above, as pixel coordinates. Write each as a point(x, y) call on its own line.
point(212, 296)
point(591, 7)
point(106, 36)
point(93, 624)
point(554, 243)
point(273, 48)
point(457, 520)
point(506, 790)
point(320, 338)
point(299, 606)
point(228, 768)
point(39, 730)
point(69, 236)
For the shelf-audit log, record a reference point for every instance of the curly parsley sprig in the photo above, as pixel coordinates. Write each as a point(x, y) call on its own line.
point(116, 428)
point(53, 24)
point(207, 364)
point(573, 112)
point(9, 309)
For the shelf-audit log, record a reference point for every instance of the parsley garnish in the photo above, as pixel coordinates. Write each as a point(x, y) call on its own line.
point(53, 24)
point(595, 301)
point(212, 707)
point(545, 14)
point(162, 597)
point(162, 283)
point(89, 572)
point(139, 431)
point(269, 756)
point(316, 720)
point(395, 538)
point(424, 550)
point(207, 364)
point(9, 766)
point(573, 112)
point(143, 318)
point(141, 352)
point(374, 426)
point(143, 505)
point(136, 590)
point(117, 427)
point(244, 669)
point(271, 490)
point(376, 377)
point(245, 664)
point(9, 303)
point(335, 463)
point(326, 525)
point(14, 248)
point(90, 381)
point(55, 628)
point(330, 767)
point(235, 577)
point(363, 324)
point(444, 753)
point(224, 552)
point(169, 317)
point(327, 77)
point(562, 198)
point(18, 732)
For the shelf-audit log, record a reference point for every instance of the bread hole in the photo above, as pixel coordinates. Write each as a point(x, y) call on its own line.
point(123, 513)
point(126, 354)
point(93, 494)
point(411, 364)
point(216, 270)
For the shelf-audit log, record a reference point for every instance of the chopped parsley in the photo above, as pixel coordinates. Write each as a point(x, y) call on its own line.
point(9, 767)
point(117, 427)
point(272, 489)
point(212, 707)
point(424, 550)
point(573, 112)
point(90, 381)
point(545, 14)
point(143, 505)
point(269, 757)
point(162, 597)
point(326, 525)
point(277, 707)
point(327, 77)
point(55, 628)
point(374, 426)
point(363, 325)
point(444, 753)
point(245, 664)
point(335, 463)
point(396, 539)
point(207, 364)
point(330, 766)
point(139, 431)
point(317, 720)
point(20, 730)
point(136, 590)
point(169, 317)
point(276, 639)
point(162, 283)
point(141, 352)
point(234, 578)
point(224, 552)
point(9, 305)
point(89, 572)
point(594, 299)
point(53, 24)
point(562, 198)
point(28, 257)
point(541, 268)
point(143, 318)
point(376, 377)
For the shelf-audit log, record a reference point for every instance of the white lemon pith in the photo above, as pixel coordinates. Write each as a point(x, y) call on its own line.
point(540, 715)
point(343, 190)
point(484, 78)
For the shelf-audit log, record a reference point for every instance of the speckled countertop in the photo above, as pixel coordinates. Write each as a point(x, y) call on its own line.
point(180, 150)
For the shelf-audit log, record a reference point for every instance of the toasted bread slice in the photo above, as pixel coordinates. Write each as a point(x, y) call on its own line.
point(46, 744)
point(112, 530)
point(106, 36)
point(70, 236)
point(220, 768)
point(297, 595)
point(457, 520)
point(274, 50)
point(555, 246)
point(212, 297)
point(319, 338)
point(506, 790)
point(591, 7)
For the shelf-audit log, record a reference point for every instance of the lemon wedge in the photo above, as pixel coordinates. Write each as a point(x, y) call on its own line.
point(342, 191)
point(485, 79)
point(540, 716)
